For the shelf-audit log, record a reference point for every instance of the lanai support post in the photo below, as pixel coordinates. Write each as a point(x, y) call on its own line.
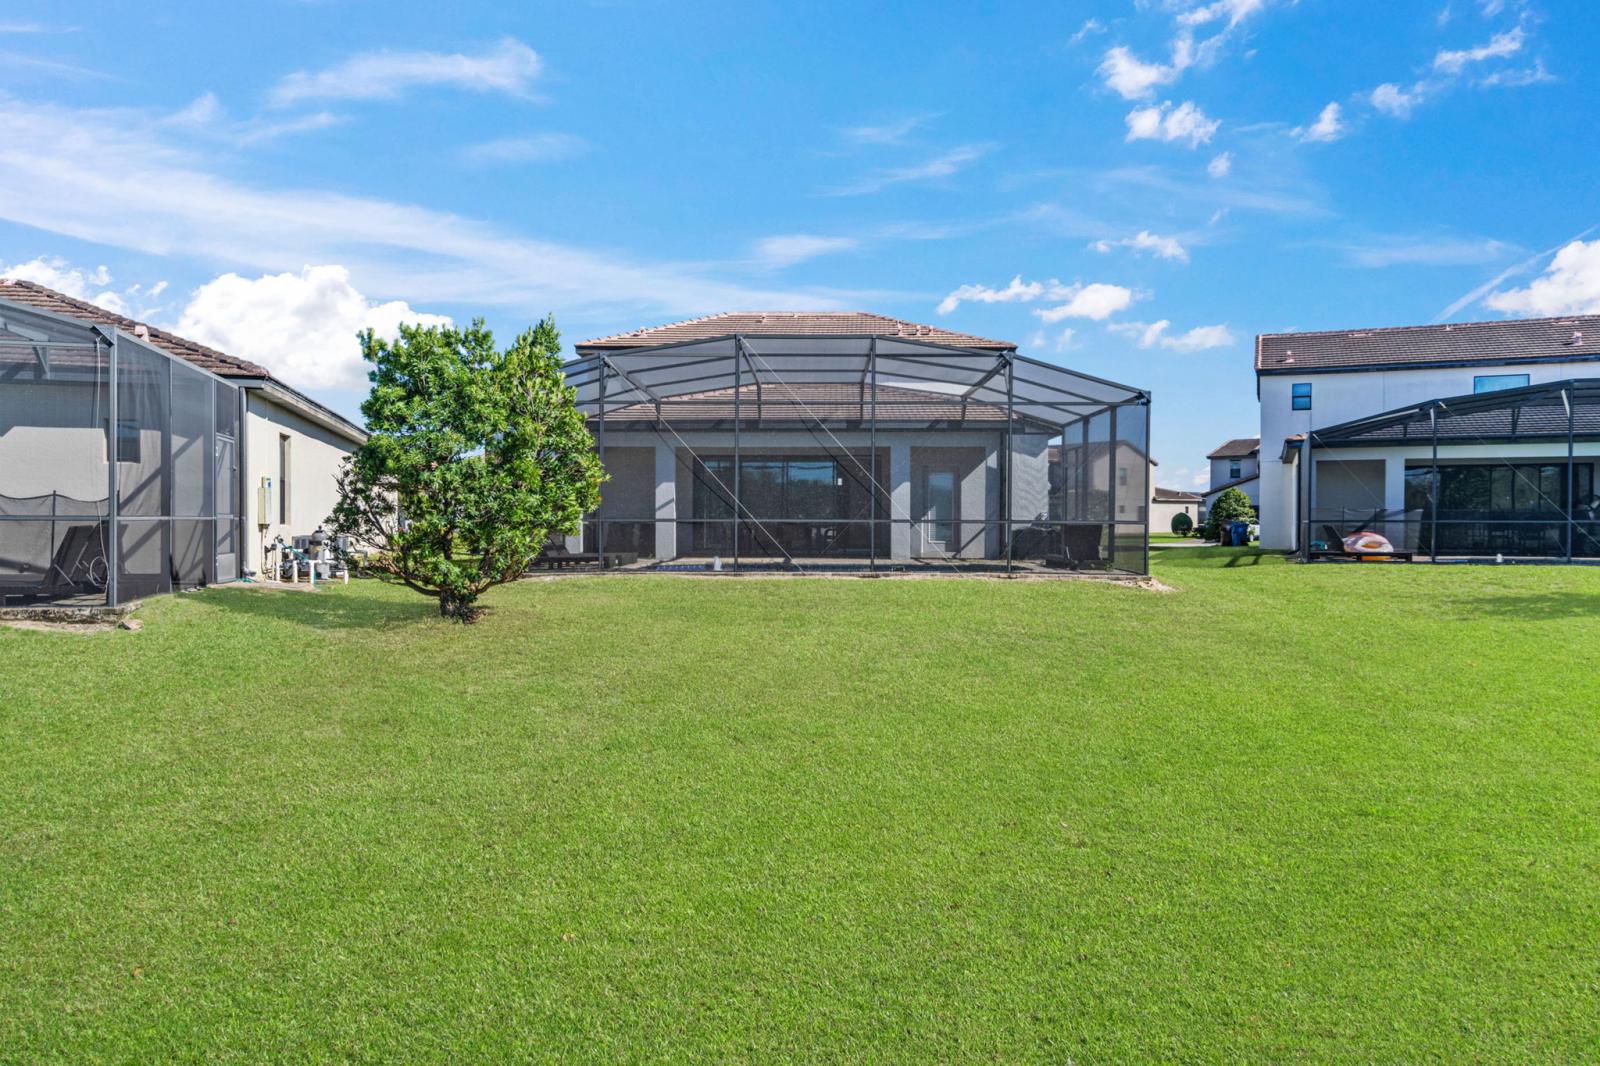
point(599, 519)
point(113, 510)
point(1572, 504)
point(1007, 514)
point(1433, 488)
point(738, 383)
point(872, 455)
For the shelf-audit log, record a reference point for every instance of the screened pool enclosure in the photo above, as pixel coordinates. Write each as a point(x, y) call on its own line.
point(1508, 473)
point(118, 466)
point(841, 452)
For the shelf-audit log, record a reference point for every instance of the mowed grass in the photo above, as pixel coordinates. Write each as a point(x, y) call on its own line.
point(1286, 813)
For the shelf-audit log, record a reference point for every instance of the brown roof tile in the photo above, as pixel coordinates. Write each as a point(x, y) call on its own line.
point(803, 323)
point(37, 296)
point(1573, 337)
point(1238, 448)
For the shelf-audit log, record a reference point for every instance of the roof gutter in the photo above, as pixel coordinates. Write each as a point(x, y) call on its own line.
point(305, 406)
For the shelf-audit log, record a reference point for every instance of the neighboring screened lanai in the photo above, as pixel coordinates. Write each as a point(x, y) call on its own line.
point(118, 465)
point(843, 441)
point(1509, 473)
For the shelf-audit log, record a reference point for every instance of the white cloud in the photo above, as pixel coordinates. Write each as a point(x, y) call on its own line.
point(889, 132)
point(1163, 122)
point(1500, 45)
point(1221, 165)
point(1393, 100)
point(1426, 251)
point(1235, 11)
point(788, 249)
point(1131, 77)
point(1518, 77)
point(1328, 127)
point(1018, 291)
point(205, 116)
point(1145, 241)
point(1097, 301)
point(1064, 339)
point(54, 272)
point(538, 148)
point(1090, 26)
point(1155, 334)
point(1570, 286)
point(150, 193)
point(940, 166)
point(510, 67)
point(302, 327)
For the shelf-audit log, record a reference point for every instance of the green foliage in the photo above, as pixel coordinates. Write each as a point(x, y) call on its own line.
point(1229, 506)
point(1182, 524)
point(484, 451)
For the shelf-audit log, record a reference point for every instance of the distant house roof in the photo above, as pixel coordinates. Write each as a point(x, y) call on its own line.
point(778, 323)
point(1238, 448)
point(32, 294)
point(1226, 485)
point(1526, 340)
point(1175, 496)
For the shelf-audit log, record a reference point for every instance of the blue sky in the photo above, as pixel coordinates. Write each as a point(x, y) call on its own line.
point(1132, 188)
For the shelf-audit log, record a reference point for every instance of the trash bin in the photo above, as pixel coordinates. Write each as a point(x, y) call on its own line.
point(1239, 533)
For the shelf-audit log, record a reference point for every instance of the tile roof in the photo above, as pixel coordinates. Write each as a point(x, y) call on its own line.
point(37, 296)
point(805, 323)
point(1175, 495)
point(1573, 337)
point(1213, 490)
point(1238, 448)
point(34, 295)
point(809, 402)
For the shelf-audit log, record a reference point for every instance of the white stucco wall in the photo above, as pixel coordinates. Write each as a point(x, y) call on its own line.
point(1341, 397)
point(315, 456)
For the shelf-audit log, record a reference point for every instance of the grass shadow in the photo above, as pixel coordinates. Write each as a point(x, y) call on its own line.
point(1530, 606)
point(339, 607)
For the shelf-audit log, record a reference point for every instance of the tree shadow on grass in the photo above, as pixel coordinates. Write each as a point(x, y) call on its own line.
point(336, 608)
point(1530, 606)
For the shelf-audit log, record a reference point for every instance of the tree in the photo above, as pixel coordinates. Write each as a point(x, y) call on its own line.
point(1229, 506)
point(474, 458)
point(1182, 524)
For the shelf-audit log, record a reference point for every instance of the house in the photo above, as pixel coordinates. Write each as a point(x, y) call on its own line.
point(1235, 464)
point(1167, 504)
point(197, 458)
point(840, 439)
point(1466, 440)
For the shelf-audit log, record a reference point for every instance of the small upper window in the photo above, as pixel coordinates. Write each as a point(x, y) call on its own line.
point(1300, 396)
point(127, 440)
point(1122, 477)
point(1496, 382)
point(1235, 469)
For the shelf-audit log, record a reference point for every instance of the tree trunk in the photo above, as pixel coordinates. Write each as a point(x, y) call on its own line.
point(461, 609)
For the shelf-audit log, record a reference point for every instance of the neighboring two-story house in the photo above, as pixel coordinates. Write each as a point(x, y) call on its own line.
point(1472, 439)
point(1236, 465)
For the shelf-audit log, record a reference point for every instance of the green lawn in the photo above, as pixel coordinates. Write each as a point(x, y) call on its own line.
point(1287, 813)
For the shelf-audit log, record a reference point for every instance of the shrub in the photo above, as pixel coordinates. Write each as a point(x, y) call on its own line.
point(1230, 506)
point(474, 458)
point(1182, 524)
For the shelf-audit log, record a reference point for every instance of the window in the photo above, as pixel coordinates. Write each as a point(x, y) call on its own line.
point(1300, 396)
point(283, 479)
point(1496, 382)
point(127, 440)
point(1122, 477)
point(1235, 469)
